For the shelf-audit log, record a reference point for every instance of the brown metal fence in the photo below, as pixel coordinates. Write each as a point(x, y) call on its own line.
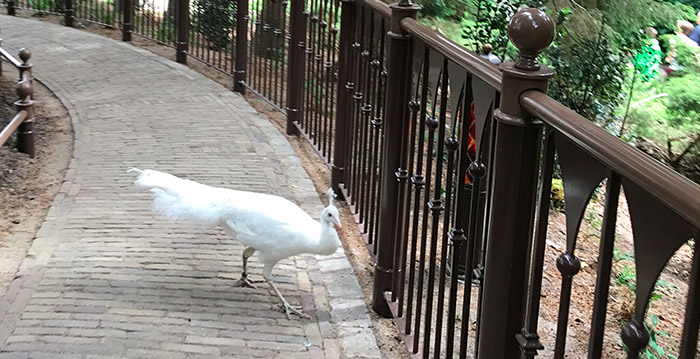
point(446, 161)
point(23, 121)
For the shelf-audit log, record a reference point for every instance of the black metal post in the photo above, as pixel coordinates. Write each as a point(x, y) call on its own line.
point(395, 128)
point(68, 13)
point(239, 73)
point(295, 79)
point(345, 86)
point(514, 175)
point(183, 24)
point(127, 25)
point(11, 7)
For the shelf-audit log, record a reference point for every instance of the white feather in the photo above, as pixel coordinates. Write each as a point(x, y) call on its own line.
point(274, 226)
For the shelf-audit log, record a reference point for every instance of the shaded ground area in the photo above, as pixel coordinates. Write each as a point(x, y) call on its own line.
point(28, 185)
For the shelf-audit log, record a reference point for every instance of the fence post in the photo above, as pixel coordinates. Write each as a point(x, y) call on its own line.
point(239, 73)
point(345, 86)
point(398, 93)
point(295, 80)
point(514, 171)
point(68, 13)
point(128, 20)
point(183, 24)
point(25, 131)
point(11, 7)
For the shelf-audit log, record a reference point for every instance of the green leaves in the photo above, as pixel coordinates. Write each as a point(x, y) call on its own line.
point(214, 19)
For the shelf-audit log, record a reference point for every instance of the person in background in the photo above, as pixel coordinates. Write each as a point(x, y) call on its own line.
point(695, 35)
point(685, 29)
point(486, 53)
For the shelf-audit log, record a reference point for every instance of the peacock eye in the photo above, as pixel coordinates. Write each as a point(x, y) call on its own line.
point(330, 215)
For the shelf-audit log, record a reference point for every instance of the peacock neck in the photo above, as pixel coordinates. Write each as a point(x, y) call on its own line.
point(329, 241)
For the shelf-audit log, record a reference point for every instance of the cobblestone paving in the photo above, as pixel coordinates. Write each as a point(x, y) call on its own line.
point(107, 279)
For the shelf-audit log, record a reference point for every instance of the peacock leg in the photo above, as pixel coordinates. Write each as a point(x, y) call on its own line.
point(244, 281)
point(288, 308)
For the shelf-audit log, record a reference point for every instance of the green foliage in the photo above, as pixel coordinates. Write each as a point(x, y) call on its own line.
point(166, 31)
point(589, 76)
point(443, 9)
point(486, 22)
point(42, 5)
point(626, 17)
point(556, 198)
point(695, 4)
point(595, 225)
point(628, 278)
point(214, 20)
point(104, 16)
point(654, 350)
point(647, 60)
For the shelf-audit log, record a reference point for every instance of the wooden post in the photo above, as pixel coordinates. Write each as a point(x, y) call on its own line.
point(345, 86)
point(295, 80)
point(514, 171)
point(183, 24)
point(239, 74)
point(127, 25)
point(398, 93)
point(68, 13)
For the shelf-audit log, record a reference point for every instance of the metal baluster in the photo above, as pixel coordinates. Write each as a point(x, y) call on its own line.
point(689, 338)
point(528, 338)
point(357, 97)
point(366, 119)
point(377, 122)
point(414, 107)
point(436, 206)
point(343, 133)
point(605, 258)
point(332, 75)
point(431, 123)
point(451, 145)
point(418, 182)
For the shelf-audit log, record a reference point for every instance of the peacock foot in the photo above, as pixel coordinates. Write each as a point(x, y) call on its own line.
point(290, 309)
point(245, 282)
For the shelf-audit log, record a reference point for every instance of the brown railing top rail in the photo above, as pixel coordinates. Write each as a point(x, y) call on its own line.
point(380, 7)
point(472, 62)
point(10, 58)
point(669, 187)
point(12, 126)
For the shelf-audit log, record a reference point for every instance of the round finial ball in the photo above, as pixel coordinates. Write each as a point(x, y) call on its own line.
point(452, 144)
point(477, 169)
point(635, 336)
point(25, 54)
point(24, 89)
point(531, 30)
point(568, 264)
point(432, 123)
point(414, 106)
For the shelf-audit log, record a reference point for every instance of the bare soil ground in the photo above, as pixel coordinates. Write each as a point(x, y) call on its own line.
point(28, 185)
point(672, 288)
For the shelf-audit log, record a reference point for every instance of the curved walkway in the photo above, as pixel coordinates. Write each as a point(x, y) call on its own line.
point(107, 279)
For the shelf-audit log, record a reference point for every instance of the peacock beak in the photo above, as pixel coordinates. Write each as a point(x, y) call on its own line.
point(337, 225)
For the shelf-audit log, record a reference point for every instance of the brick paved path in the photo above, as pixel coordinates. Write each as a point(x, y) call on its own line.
point(105, 278)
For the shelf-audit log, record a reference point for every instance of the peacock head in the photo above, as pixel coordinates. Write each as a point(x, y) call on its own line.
point(330, 214)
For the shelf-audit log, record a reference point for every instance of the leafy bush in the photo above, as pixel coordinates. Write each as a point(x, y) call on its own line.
point(42, 5)
point(487, 23)
point(214, 19)
point(443, 9)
